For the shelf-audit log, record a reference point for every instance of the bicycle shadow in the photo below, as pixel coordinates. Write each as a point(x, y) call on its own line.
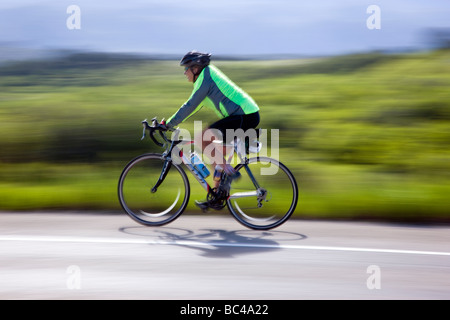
point(217, 243)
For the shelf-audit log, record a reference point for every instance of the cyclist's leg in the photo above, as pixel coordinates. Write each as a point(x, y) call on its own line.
point(234, 122)
point(216, 152)
point(244, 122)
point(213, 152)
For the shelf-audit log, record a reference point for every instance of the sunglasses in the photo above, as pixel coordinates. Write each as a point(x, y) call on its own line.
point(186, 68)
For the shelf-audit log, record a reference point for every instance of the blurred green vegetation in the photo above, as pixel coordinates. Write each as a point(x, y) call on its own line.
point(366, 135)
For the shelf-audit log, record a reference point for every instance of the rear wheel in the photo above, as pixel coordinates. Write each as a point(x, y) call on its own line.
point(265, 196)
point(142, 200)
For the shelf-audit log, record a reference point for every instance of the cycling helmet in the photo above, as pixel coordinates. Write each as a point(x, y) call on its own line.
point(195, 58)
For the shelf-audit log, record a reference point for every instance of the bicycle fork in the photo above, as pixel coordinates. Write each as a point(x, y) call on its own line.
point(166, 167)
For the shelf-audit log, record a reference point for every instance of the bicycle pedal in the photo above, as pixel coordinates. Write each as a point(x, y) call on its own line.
point(204, 206)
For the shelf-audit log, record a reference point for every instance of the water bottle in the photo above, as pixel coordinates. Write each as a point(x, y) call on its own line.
point(199, 165)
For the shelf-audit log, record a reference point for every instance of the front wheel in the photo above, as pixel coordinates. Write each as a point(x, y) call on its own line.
point(152, 190)
point(265, 196)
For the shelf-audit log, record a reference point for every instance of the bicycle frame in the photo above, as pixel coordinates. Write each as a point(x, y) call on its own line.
point(173, 148)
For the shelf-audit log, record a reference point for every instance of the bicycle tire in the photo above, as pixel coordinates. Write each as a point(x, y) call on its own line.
point(279, 194)
point(140, 202)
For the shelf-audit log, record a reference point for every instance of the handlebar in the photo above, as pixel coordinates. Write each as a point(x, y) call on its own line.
point(155, 127)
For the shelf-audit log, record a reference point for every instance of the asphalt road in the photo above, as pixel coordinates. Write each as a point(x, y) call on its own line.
point(208, 257)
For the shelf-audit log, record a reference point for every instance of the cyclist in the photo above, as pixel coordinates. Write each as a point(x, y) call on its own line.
point(235, 108)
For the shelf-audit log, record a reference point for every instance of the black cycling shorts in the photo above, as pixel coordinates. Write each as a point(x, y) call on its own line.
point(244, 122)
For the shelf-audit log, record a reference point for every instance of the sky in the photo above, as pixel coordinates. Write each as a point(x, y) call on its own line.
point(239, 27)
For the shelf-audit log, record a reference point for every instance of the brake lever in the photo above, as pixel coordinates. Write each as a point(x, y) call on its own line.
point(144, 124)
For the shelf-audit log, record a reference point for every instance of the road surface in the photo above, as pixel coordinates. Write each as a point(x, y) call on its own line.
point(73, 255)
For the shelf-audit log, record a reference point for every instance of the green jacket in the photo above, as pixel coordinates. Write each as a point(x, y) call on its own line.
point(216, 91)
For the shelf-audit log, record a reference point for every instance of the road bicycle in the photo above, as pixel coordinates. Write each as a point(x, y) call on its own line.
point(154, 189)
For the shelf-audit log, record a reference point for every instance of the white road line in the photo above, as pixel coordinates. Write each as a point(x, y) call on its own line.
point(214, 244)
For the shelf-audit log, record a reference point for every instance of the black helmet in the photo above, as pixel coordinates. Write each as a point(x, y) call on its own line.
point(195, 58)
